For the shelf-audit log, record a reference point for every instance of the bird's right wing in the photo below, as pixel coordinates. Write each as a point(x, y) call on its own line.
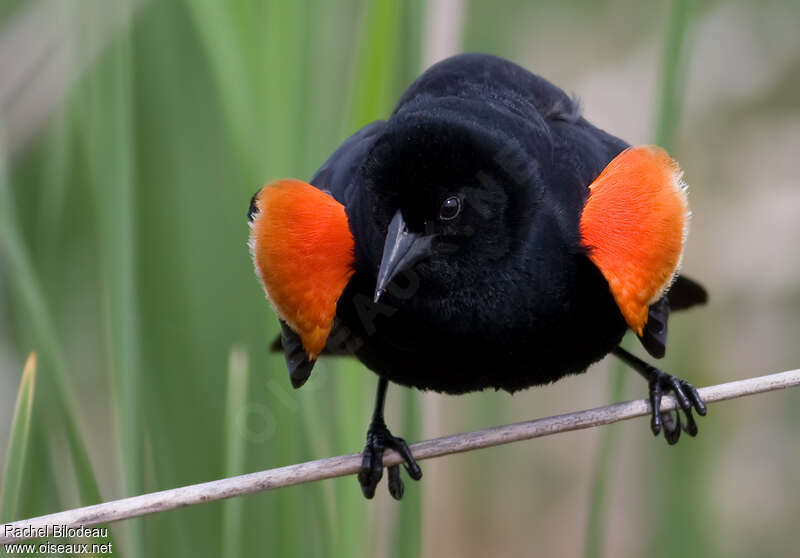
point(634, 226)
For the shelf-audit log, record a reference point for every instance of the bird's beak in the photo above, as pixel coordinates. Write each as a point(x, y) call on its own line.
point(401, 250)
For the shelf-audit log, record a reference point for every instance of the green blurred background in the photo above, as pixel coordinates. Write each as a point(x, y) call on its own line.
point(134, 133)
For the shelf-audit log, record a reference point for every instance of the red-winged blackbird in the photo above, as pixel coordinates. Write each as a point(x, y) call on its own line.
point(485, 235)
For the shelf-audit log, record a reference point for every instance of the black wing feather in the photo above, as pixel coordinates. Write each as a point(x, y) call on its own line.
point(684, 293)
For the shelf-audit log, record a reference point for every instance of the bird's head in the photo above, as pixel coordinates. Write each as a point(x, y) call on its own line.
point(442, 203)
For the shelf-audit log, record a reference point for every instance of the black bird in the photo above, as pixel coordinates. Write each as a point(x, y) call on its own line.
point(485, 236)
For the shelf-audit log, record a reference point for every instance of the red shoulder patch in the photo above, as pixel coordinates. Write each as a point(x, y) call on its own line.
point(302, 249)
point(634, 225)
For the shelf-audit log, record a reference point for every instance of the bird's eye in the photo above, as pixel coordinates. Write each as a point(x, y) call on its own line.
point(450, 209)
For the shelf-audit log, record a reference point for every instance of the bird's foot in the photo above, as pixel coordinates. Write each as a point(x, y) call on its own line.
point(379, 439)
point(688, 398)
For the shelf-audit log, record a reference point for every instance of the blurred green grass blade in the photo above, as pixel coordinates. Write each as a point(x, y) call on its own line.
point(18, 442)
point(30, 297)
point(226, 46)
point(407, 537)
point(375, 85)
point(598, 499)
point(211, 161)
point(56, 171)
point(257, 55)
point(233, 509)
point(668, 111)
point(673, 75)
point(112, 172)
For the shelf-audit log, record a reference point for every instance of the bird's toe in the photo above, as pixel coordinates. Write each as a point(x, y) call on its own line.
point(688, 399)
point(378, 440)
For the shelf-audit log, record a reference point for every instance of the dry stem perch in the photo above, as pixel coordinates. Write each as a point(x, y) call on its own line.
point(350, 464)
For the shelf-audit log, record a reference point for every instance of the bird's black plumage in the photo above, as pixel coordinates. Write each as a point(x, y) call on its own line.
point(516, 302)
point(508, 297)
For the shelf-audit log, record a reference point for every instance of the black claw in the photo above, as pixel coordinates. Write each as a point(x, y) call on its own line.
point(413, 470)
point(691, 426)
point(694, 396)
point(368, 490)
point(366, 467)
point(371, 470)
point(400, 446)
point(378, 440)
point(396, 487)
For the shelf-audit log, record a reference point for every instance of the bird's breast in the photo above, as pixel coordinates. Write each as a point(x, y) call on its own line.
point(458, 344)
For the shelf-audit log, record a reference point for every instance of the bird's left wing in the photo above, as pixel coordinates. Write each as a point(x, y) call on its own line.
point(302, 249)
point(684, 293)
